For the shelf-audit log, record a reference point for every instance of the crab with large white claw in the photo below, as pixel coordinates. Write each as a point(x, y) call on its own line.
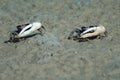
point(26, 30)
point(87, 33)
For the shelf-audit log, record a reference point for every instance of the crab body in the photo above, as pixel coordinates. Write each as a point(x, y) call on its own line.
point(88, 33)
point(25, 30)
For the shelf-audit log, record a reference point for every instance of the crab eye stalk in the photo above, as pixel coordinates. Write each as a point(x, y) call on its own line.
point(43, 27)
point(106, 33)
point(42, 30)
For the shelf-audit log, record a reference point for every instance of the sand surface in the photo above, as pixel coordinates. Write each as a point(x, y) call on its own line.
point(53, 56)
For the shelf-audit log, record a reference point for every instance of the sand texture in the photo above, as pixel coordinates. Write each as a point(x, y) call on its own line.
point(52, 56)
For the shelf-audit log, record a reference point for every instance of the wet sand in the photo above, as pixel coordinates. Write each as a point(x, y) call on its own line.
point(53, 56)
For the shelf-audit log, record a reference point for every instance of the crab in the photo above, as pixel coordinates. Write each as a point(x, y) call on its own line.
point(26, 30)
point(88, 33)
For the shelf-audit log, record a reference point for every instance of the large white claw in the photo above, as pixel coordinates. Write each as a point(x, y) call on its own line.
point(29, 29)
point(96, 31)
point(89, 30)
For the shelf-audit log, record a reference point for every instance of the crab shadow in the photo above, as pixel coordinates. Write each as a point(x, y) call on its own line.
point(16, 40)
point(77, 39)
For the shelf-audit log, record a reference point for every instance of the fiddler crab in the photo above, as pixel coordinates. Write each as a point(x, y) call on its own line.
point(24, 31)
point(88, 33)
